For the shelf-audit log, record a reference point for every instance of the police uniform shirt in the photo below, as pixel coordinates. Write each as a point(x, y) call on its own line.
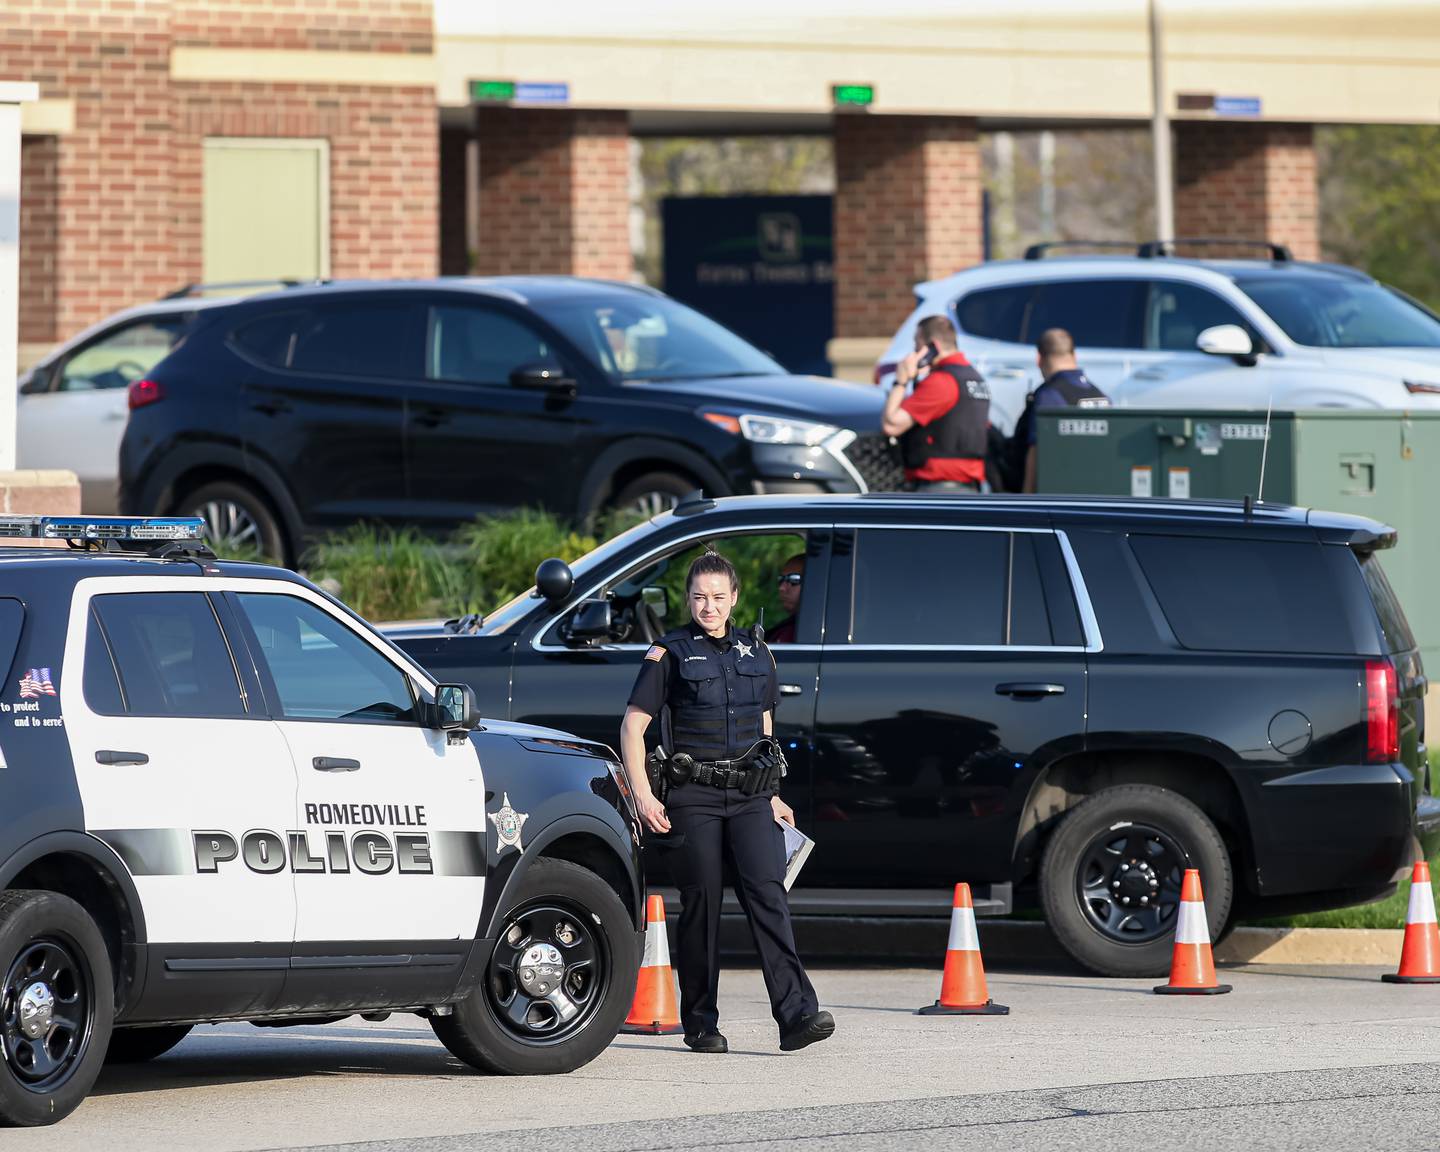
point(657, 670)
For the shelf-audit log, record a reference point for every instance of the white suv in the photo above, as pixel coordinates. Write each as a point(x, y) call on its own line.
point(1156, 331)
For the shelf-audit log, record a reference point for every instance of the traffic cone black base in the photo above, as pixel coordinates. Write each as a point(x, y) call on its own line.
point(655, 1029)
point(1213, 990)
point(1393, 978)
point(989, 1008)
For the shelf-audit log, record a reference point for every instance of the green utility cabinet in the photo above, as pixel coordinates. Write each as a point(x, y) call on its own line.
point(1381, 464)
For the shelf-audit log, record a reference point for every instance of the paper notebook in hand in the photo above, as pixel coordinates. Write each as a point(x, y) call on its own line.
point(797, 848)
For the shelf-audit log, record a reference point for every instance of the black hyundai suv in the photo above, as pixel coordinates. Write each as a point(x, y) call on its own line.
point(1062, 701)
point(429, 402)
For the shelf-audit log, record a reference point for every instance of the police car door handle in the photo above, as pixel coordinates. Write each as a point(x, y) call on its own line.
point(1029, 691)
point(790, 689)
point(109, 756)
point(334, 764)
point(1006, 373)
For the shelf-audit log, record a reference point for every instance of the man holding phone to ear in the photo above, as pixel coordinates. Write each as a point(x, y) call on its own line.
point(942, 423)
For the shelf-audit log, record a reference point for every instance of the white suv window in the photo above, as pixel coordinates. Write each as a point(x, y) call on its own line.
point(320, 668)
point(1178, 312)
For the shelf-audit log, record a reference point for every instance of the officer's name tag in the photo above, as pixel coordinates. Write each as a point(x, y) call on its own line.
point(1084, 427)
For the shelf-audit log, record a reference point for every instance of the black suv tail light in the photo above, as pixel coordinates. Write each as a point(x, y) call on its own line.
point(1382, 713)
point(143, 392)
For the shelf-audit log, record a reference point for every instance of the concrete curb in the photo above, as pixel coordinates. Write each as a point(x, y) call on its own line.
point(1028, 942)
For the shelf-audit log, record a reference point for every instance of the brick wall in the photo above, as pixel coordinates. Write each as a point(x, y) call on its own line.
point(123, 223)
point(1249, 181)
point(907, 209)
point(554, 194)
point(39, 226)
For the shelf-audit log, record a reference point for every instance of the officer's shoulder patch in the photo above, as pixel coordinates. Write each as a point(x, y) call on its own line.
point(656, 653)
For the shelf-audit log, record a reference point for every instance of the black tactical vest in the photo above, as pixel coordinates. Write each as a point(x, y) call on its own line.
point(960, 434)
point(717, 699)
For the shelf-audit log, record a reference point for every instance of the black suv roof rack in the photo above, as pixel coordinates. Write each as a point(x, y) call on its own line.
point(693, 502)
point(1154, 248)
point(195, 289)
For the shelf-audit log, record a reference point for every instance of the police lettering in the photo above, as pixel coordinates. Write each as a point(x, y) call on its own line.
point(368, 852)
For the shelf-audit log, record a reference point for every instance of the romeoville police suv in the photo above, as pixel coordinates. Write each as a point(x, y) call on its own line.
point(227, 798)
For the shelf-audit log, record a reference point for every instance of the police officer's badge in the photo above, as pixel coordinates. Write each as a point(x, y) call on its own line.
point(508, 824)
point(745, 649)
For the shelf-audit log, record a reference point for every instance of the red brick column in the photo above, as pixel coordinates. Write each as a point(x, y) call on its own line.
point(907, 209)
point(1249, 181)
point(554, 192)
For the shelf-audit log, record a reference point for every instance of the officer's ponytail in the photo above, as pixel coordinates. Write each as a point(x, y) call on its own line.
point(711, 563)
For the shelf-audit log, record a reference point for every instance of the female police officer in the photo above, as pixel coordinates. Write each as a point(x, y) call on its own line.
point(719, 687)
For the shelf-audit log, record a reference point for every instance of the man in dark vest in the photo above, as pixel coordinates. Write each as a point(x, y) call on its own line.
point(942, 423)
point(1064, 386)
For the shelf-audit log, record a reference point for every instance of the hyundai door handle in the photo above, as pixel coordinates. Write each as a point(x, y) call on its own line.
point(790, 689)
point(1149, 374)
point(1029, 691)
point(274, 407)
point(1006, 373)
point(334, 764)
point(110, 756)
point(432, 418)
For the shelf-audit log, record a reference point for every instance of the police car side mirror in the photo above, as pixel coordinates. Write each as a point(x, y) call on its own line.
point(1225, 340)
point(590, 621)
point(456, 709)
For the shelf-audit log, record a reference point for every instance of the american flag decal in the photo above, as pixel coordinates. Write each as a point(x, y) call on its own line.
point(36, 682)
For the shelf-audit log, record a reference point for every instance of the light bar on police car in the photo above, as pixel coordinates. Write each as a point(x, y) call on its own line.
point(98, 528)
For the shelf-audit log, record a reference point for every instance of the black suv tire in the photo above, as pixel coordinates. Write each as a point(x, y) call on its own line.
point(652, 493)
point(229, 506)
point(52, 959)
point(137, 1045)
point(559, 910)
point(1142, 838)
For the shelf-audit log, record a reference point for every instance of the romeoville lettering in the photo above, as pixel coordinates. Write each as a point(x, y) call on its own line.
point(366, 815)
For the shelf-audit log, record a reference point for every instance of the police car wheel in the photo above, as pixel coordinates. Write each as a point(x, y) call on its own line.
point(56, 1005)
point(1110, 878)
point(559, 982)
point(137, 1045)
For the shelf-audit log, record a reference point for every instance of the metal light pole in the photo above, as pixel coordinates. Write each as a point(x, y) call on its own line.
point(1160, 131)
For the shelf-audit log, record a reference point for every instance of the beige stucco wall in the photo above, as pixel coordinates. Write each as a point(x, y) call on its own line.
point(1323, 60)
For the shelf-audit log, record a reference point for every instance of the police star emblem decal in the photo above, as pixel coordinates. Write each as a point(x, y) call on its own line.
point(508, 824)
point(745, 649)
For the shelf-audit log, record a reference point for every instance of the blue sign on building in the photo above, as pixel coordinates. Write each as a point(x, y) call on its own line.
point(761, 265)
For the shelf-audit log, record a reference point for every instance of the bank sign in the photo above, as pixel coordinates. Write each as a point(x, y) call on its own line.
point(761, 265)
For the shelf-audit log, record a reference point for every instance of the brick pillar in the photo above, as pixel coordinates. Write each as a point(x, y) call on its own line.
point(907, 209)
point(554, 192)
point(1249, 181)
point(39, 241)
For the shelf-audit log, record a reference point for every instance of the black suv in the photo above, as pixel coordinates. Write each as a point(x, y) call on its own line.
point(429, 402)
point(1077, 698)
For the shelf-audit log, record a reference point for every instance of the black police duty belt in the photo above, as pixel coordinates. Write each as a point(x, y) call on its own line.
point(685, 769)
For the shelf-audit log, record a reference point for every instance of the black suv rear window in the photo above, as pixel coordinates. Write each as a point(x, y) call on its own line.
point(1398, 637)
point(1246, 595)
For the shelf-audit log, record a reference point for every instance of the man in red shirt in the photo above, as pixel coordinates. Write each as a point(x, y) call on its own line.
point(942, 424)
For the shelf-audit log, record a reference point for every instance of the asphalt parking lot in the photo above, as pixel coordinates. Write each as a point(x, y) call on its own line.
point(1294, 1058)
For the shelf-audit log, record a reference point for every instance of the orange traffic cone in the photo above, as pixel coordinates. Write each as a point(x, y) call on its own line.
point(653, 1012)
point(1420, 957)
point(1192, 967)
point(962, 989)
